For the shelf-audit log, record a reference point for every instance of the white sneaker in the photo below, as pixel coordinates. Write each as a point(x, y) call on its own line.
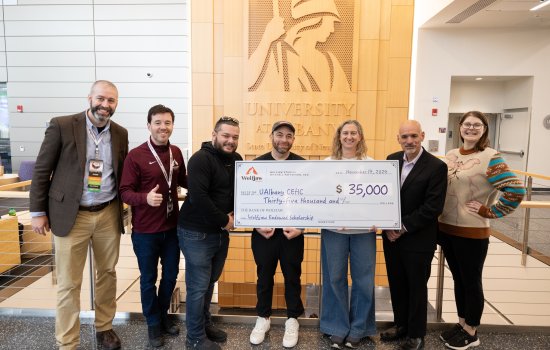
point(260, 329)
point(290, 338)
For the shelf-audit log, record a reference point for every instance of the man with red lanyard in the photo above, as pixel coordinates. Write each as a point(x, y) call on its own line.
point(152, 172)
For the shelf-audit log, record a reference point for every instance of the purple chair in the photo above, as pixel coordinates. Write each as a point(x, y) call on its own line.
point(26, 168)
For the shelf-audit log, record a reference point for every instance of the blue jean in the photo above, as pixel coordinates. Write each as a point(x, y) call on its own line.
point(205, 255)
point(149, 248)
point(338, 316)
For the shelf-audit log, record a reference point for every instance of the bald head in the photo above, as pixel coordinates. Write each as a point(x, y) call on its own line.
point(102, 83)
point(410, 138)
point(410, 125)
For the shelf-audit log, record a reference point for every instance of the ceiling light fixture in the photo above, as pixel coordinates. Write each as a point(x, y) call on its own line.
point(479, 78)
point(541, 5)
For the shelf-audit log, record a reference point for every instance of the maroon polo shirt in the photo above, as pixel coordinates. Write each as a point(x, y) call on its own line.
point(140, 175)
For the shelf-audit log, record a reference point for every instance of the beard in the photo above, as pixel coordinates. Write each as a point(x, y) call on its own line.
point(281, 147)
point(220, 146)
point(411, 149)
point(101, 118)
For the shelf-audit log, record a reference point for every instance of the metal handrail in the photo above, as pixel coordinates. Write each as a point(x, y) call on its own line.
point(533, 175)
point(528, 203)
point(525, 243)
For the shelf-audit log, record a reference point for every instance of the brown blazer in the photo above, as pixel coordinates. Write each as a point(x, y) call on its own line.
point(58, 177)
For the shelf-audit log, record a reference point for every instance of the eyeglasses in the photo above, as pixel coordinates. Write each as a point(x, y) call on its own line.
point(229, 119)
point(476, 126)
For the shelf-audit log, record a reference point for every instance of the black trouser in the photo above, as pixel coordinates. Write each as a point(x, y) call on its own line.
point(466, 257)
point(267, 252)
point(408, 275)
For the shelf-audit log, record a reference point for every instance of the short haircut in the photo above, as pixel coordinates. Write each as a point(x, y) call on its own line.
point(159, 109)
point(225, 120)
point(102, 82)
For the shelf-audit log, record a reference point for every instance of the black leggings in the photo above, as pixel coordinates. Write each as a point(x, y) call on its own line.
point(466, 257)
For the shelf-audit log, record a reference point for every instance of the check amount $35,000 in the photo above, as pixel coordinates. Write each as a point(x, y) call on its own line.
point(317, 194)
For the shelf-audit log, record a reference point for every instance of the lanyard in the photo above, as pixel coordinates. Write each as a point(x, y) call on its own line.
point(168, 177)
point(96, 141)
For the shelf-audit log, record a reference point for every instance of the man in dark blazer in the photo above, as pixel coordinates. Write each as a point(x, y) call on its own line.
point(409, 251)
point(74, 191)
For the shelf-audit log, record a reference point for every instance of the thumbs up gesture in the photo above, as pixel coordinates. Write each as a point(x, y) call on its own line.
point(153, 198)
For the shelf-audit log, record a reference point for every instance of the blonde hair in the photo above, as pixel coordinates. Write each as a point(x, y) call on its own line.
point(360, 152)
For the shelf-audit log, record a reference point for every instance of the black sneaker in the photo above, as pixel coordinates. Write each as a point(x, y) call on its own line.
point(462, 340)
point(352, 343)
point(155, 336)
point(449, 333)
point(336, 342)
point(169, 326)
point(205, 344)
point(215, 334)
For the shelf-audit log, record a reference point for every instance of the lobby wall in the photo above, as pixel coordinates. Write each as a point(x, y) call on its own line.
point(445, 53)
point(378, 76)
point(51, 51)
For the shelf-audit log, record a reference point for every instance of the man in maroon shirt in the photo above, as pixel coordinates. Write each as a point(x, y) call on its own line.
point(152, 172)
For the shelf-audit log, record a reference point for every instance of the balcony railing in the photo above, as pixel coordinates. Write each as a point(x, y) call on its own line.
point(516, 275)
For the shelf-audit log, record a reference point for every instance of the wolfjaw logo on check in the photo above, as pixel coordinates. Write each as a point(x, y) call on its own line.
point(252, 175)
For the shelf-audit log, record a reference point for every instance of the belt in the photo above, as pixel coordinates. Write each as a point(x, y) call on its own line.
point(96, 207)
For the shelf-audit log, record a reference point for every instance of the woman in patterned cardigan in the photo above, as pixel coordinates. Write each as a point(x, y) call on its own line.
point(480, 187)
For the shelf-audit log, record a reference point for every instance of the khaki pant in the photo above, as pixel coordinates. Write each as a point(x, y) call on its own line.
point(101, 229)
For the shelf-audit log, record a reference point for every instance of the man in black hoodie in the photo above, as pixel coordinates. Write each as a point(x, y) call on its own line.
point(203, 228)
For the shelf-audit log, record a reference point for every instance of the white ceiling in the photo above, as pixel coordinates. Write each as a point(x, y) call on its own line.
point(490, 14)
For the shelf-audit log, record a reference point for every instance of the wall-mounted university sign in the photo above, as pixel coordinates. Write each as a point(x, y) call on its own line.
point(302, 59)
point(546, 122)
point(305, 46)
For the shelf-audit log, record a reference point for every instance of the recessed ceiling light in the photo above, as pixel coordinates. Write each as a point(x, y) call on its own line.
point(479, 78)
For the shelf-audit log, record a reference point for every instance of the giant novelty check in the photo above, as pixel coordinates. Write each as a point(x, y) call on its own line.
point(321, 194)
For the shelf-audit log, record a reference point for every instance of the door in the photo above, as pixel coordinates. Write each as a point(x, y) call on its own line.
point(513, 138)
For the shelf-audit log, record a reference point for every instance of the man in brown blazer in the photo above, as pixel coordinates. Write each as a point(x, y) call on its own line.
point(74, 191)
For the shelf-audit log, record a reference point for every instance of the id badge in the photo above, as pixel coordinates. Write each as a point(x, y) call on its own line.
point(95, 169)
point(169, 206)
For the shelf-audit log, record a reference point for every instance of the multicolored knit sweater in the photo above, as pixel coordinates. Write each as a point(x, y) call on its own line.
point(479, 176)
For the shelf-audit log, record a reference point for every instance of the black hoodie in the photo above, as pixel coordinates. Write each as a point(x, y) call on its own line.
point(210, 180)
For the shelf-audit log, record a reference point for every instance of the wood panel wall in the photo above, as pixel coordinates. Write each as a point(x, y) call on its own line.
point(380, 88)
point(219, 35)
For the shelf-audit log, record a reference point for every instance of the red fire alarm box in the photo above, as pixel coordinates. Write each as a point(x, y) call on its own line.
point(19, 108)
point(434, 112)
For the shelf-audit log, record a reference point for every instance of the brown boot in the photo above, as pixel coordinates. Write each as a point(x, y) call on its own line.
point(108, 339)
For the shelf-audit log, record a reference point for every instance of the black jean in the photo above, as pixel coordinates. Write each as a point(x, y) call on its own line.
point(466, 257)
point(267, 252)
